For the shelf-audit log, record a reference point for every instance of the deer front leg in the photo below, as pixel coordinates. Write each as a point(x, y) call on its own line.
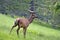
point(24, 31)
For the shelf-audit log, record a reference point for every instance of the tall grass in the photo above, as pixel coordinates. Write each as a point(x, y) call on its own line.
point(34, 31)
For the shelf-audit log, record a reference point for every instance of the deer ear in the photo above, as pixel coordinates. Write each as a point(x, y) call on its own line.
point(30, 11)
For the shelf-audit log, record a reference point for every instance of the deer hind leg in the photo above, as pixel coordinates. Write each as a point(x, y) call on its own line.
point(18, 30)
point(24, 32)
point(15, 24)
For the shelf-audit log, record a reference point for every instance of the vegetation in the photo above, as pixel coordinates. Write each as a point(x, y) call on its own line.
point(34, 32)
point(47, 10)
point(44, 28)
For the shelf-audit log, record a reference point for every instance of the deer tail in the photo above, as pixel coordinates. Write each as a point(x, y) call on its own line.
point(16, 22)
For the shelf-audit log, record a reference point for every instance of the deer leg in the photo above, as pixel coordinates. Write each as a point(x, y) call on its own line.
point(18, 31)
point(15, 24)
point(24, 31)
point(12, 28)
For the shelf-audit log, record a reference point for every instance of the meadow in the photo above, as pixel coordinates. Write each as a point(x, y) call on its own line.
point(34, 31)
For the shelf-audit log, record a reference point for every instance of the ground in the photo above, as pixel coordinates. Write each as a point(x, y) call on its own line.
point(34, 31)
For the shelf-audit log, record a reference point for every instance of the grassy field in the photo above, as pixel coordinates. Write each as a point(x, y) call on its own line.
point(34, 31)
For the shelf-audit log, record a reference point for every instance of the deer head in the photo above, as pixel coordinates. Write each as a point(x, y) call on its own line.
point(33, 15)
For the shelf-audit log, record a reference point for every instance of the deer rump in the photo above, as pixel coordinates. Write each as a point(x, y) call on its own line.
point(22, 22)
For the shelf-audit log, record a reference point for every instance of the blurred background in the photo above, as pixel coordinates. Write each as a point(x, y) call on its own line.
point(48, 20)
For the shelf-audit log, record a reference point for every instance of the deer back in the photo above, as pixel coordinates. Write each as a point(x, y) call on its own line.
point(23, 22)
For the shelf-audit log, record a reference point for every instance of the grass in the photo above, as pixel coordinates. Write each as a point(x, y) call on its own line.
point(34, 31)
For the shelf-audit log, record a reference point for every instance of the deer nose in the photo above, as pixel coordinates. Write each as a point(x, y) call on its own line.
point(37, 17)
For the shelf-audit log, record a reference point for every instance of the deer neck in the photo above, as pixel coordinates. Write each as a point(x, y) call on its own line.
point(30, 19)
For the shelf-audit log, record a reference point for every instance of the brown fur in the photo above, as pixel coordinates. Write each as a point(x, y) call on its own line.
point(23, 23)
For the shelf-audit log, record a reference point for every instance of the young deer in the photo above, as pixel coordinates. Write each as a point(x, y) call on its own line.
point(23, 23)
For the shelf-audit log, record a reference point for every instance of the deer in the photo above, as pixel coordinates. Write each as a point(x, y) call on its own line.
point(24, 23)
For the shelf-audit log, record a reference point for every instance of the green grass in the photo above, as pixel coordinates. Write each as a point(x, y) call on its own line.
point(34, 31)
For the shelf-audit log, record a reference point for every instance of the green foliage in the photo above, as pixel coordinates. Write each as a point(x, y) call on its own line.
point(47, 9)
point(34, 32)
